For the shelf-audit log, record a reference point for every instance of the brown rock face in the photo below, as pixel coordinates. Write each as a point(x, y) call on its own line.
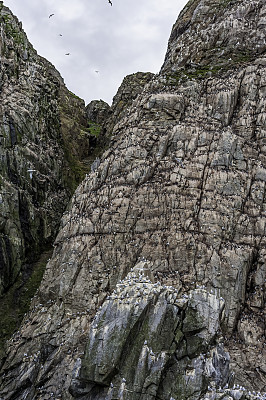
point(182, 186)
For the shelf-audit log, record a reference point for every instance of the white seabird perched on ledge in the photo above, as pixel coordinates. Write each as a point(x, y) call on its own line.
point(30, 171)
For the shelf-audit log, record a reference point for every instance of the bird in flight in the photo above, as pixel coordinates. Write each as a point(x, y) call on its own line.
point(97, 72)
point(60, 34)
point(51, 15)
point(109, 1)
point(67, 54)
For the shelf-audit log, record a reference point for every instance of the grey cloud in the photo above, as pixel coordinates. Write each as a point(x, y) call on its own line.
point(128, 37)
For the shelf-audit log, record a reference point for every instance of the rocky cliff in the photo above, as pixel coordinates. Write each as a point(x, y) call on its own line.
point(158, 272)
point(44, 137)
point(36, 177)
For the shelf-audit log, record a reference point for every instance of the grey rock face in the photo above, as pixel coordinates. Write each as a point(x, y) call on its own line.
point(128, 91)
point(98, 111)
point(103, 117)
point(37, 173)
point(183, 187)
point(98, 114)
point(223, 40)
point(146, 342)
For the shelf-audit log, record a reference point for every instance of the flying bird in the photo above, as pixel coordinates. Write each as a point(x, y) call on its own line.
point(51, 15)
point(67, 54)
point(97, 72)
point(109, 1)
point(60, 34)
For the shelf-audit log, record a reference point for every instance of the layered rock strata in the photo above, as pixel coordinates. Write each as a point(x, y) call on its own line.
point(182, 186)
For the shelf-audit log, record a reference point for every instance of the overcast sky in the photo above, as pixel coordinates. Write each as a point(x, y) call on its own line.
point(117, 40)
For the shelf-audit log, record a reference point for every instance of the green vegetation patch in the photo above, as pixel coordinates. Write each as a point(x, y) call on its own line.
point(225, 3)
point(94, 129)
point(196, 73)
point(229, 61)
point(16, 302)
point(76, 172)
point(242, 56)
point(74, 95)
point(12, 30)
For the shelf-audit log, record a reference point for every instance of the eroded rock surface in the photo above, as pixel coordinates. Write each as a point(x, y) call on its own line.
point(146, 342)
point(43, 139)
point(98, 111)
point(128, 91)
point(182, 186)
point(37, 173)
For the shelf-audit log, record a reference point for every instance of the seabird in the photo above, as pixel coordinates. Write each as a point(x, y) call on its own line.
point(30, 171)
point(97, 72)
point(67, 54)
point(51, 15)
point(60, 34)
point(109, 1)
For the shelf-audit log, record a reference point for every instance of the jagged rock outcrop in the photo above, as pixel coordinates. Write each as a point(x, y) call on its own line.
point(183, 186)
point(128, 91)
point(102, 118)
point(145, 342)
point(98, 112)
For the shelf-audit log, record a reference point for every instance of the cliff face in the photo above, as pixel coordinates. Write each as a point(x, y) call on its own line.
point(179, 198)
point(44, 142)
point(40, 122)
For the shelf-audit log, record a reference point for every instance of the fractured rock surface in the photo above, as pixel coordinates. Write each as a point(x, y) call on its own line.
point(41, 124)
point(182, 186)
point(143, 340)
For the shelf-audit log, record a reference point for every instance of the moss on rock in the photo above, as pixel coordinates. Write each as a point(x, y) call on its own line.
point(15, 303)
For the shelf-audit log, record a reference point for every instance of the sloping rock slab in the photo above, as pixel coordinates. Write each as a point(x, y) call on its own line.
point(146, 342)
